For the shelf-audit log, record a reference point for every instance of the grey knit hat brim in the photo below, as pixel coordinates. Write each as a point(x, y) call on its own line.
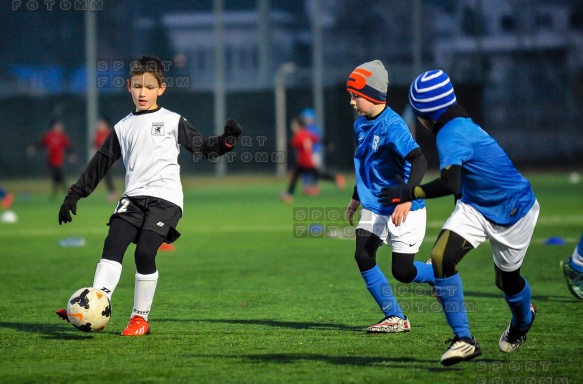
point(369, 80)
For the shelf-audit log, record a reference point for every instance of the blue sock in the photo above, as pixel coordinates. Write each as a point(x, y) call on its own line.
point(424, 273)
point(379, 288)
point(451, 296)
point(520, 307)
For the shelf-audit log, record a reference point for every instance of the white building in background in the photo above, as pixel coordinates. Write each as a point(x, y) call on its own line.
point(529, 56)
point(502, 27)
point(251, 51)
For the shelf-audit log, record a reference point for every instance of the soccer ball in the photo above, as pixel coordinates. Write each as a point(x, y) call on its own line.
point(89, 309)
point(9, 217)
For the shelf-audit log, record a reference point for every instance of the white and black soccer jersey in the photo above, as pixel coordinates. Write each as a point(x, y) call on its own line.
point(148, 143)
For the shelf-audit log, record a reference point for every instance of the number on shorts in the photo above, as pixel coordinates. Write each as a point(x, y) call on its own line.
point(122, 206)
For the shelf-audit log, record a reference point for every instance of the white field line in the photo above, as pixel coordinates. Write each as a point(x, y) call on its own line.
point(546, 221)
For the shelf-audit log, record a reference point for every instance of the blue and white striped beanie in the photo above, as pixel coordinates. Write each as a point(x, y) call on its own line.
point(431, 94)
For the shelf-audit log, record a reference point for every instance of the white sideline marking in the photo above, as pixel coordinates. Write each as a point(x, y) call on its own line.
point(544, 221)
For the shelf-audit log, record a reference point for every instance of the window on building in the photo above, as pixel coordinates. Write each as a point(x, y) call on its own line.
point(544, 21)
point(508, 23)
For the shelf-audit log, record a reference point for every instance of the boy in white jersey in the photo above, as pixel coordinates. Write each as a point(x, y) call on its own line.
point(147, 140)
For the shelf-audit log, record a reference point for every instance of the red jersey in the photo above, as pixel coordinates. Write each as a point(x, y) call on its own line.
point(302, 142)
point(56, 143)
point(99, 138)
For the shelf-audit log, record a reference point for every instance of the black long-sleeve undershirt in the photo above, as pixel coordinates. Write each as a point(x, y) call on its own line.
point(208, 147)
point(418, 166)
point(447, 184)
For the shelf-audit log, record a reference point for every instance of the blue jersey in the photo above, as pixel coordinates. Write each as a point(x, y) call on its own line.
point(317, 132)
point(381, 146)
point(489, 181)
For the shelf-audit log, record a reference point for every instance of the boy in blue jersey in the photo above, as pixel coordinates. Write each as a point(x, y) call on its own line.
point(573, 270)
point(386, 154)
point(495, 203)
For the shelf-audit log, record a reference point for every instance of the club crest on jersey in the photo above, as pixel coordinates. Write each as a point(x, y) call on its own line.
point(375, 142)
point(157, 129)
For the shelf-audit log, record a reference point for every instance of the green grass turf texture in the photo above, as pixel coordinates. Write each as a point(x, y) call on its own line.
point(242, 299)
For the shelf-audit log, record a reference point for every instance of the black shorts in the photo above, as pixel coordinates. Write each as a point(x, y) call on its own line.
point(151, 213)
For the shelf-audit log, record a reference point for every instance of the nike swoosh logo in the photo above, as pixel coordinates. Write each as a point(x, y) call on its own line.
point(78, 315)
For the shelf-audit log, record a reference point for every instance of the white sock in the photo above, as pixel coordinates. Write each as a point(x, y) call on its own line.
point(144, 294)
point(107, 276)
point(577, 258)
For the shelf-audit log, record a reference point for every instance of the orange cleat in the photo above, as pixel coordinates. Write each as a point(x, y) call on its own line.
point(167, 247)
point(62, 313)
point(312, 190)
point(340, 182)
point(138, 326)
point(286, 198)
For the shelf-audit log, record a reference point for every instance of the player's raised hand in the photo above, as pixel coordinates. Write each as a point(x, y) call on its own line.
point(232, 128)
point(69, 205)
point(396, 195)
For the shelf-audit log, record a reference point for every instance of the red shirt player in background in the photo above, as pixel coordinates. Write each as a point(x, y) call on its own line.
point(57, 144)
point(103, 130)
point(303, 141)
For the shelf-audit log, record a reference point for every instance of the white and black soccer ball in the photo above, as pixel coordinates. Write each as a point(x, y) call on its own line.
point(89, 309)
point(9, 217)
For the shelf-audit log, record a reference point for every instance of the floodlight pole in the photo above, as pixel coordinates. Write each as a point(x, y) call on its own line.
point(417, 56)
point(92, 102)
point(318, 70)
point(219, 90)
point(280, 115)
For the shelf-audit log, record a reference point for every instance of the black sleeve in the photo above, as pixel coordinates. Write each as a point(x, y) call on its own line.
point(355, 194)
point(98, 166)
point(418, 167)
point(207, 147)
point(448, 184)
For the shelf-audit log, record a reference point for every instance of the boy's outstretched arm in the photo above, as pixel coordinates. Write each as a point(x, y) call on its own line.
point(212, 146)
point(98, 166)
point(418, 167)
point(448, 184)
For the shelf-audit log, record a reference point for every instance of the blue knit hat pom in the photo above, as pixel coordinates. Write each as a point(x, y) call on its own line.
point(431, 94)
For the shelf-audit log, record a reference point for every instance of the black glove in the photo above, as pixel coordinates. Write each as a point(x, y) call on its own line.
point(232, 128)
point(396, 195)
point(69, 204)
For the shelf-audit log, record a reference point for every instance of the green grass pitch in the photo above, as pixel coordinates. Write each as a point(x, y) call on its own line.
point(246, 297)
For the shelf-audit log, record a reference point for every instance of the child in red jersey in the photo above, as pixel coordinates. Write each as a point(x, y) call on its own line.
point(303, 141)
point(58, 145)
